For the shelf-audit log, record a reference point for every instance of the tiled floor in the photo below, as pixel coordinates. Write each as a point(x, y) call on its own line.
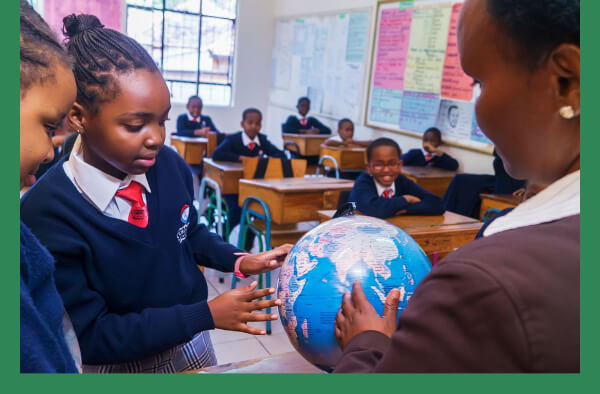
point(231, 346)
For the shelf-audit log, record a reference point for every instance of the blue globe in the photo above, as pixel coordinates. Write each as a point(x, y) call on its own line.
point(326, 261)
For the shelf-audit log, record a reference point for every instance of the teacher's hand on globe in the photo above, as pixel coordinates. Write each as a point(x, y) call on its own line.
point(233, 309)
point(255, 264)
point(357, 315)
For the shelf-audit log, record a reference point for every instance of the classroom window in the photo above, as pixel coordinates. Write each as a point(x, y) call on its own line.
point(191, 41)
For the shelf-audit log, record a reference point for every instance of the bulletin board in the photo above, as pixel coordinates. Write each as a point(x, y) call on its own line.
point(323, 57)
point(416, 80)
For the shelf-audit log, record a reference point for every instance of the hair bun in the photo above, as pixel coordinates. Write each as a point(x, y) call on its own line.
point(76, 24)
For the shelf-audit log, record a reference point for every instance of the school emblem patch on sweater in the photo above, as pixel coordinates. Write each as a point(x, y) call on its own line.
point(185, 217)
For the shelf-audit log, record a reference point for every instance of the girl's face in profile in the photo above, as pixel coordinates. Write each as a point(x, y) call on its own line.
point(126, 133)
point(43, 107)
point(518, 108)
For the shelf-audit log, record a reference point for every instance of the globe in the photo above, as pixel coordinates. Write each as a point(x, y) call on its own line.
point(326, 261)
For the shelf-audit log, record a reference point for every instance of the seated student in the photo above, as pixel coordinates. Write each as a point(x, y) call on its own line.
point(47, 92)
point(194, 124)
point(430, 155)
point(345, 135)
point(462, 195)
point(246, 143)
point(302, 124)
point(383, 192)
point(118, 218)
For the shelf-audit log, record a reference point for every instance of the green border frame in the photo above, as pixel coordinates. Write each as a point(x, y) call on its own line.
point(9, 366)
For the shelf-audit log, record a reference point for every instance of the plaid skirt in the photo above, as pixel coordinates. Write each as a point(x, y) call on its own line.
point(195, 354)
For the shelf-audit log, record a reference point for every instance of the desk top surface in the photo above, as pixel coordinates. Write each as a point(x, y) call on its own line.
point(300, 184)
point(354, 148)
point(193, 140)
point(507, 198)
point(307, 136)
point(427, 172)
point(291, 362)
point(418, 221)
point(224, 165)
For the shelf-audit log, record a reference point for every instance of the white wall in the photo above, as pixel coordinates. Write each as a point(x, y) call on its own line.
point(252, 62)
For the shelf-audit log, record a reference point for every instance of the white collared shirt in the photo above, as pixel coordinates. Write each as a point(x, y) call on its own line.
point(557, 201)
point(246, 140)
point(381, 188)
point(425, 153)
point(99, 188)
point(191, 118)
point(336, 138)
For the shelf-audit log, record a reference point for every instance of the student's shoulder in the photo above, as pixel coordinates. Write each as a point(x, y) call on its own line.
point(53, 183)
point(364, 179)
point(234, 136)
point(182, 116)
point(291, 118)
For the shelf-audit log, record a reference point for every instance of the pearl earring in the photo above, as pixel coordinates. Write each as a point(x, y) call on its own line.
point(566, 112)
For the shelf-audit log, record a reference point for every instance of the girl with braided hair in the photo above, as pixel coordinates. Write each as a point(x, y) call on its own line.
point(117, 216)
point(47, 93)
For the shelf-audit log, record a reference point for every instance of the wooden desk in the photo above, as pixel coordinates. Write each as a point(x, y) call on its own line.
point(294, 200)
point(347, 158)
point(434, 180)
point(287, 233)
point(441, 234)
point(291, 362)
point(192, 149)
point(226, 173)
point(497, 201)
point(309, 144)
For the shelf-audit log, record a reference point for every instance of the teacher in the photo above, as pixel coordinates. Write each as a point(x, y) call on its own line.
point(508, 302)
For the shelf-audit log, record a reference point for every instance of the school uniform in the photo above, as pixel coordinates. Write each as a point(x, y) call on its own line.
point(382, 202)
point(239, 144)
point(135, 295)
point(422, 158)
point(42, 333)
point(462, 195)
point(186, 124)
point(294, 124)
point(508, 302)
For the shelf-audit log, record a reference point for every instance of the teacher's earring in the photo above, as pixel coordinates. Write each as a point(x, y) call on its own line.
point(566, 112)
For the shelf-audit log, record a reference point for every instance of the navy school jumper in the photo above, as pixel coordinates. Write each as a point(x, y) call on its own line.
point(364, 193)
point(415, 157)
point(186, 127)
point(293, 126)
point(233, 147)
point(130, 292)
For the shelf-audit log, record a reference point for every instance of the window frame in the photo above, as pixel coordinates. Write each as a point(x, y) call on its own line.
point(200, 15)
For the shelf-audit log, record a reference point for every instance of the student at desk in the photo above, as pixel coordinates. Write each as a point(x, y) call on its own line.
point(193, 123)
point(384, 192)
point(345, 135)
point(430, 154)
point(302, 124)
point(246, 143)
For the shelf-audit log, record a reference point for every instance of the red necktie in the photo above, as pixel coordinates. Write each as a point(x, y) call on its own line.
point(303, 121)
point(428, 156)
point(138, 215)
point(196, 120)
point(252, 145)
point(387, 193)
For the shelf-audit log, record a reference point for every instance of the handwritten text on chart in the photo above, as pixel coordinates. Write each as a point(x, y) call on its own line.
point(455, 83)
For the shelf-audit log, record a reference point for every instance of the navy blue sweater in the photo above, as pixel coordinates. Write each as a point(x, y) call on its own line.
point(43, 346)
point(415, 157)
point(130, 292)
point(233, 147)
point(364, 194)
point(293, 126)
point(186, 127)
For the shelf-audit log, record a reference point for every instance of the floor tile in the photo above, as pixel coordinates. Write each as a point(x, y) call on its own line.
point(242, 350)
point(276, 343)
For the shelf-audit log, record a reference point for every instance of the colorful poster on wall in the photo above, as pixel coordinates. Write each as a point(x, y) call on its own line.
point(108, 11)
point(419, 111)
point(455, 83)
point(392, 48)
point(356, 39)
point(427, 47)
point(385, 105)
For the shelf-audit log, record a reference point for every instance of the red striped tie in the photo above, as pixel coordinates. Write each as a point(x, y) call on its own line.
point(252, 145)
point(387, 193)
point(138, 215)
point(303, 121)
point(428, 156)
